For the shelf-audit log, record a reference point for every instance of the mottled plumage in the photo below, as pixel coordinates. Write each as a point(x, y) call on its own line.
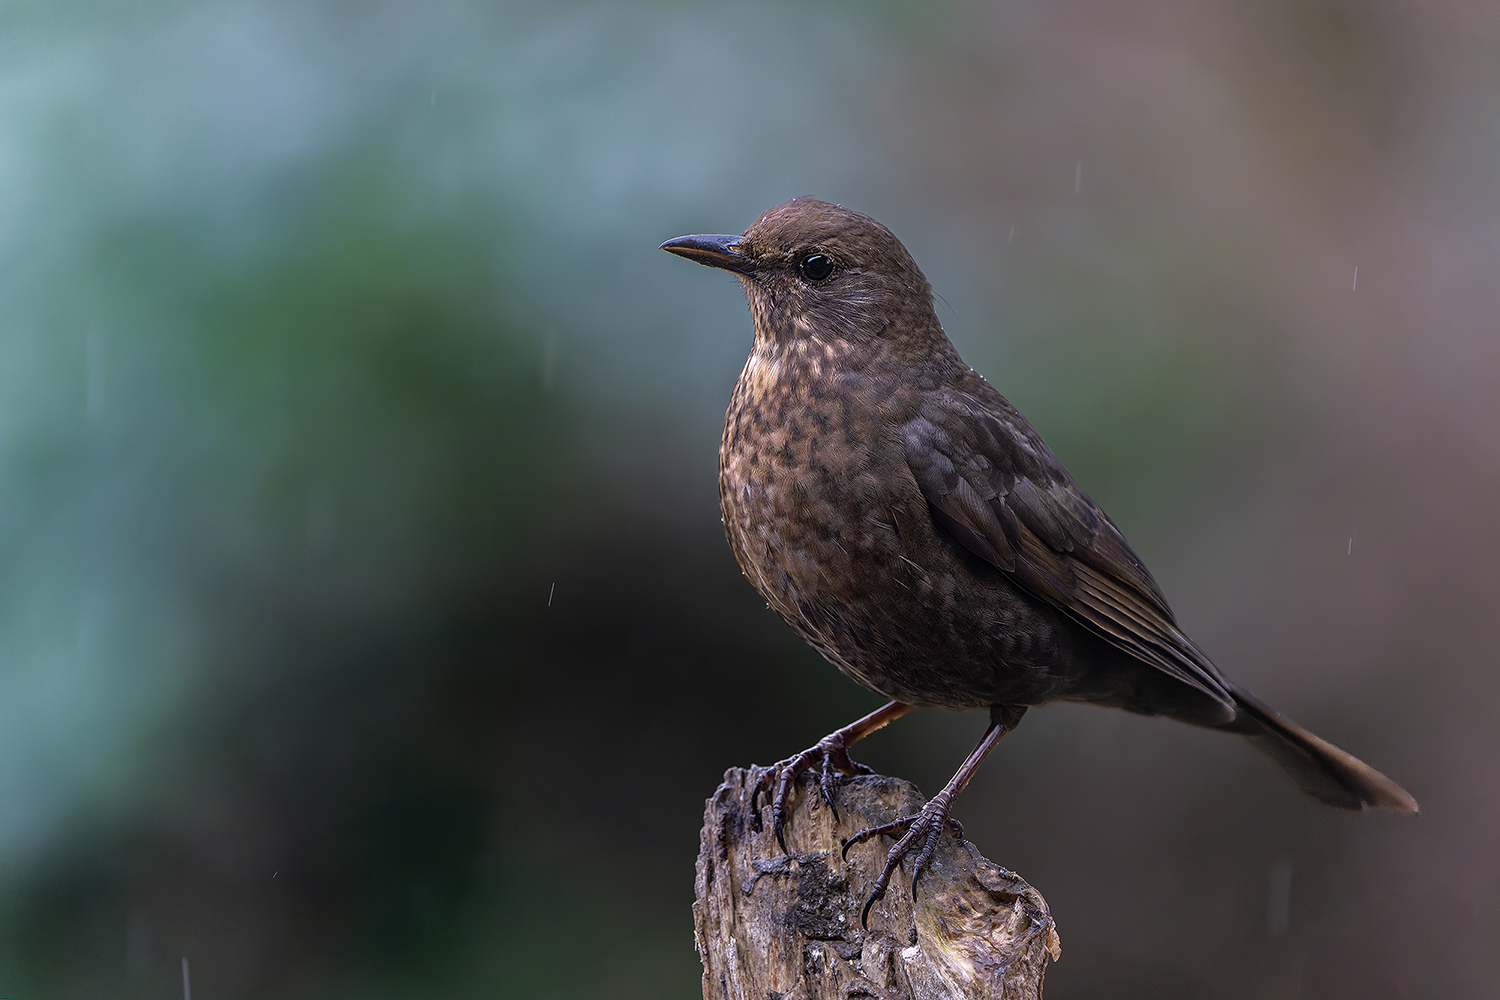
point(911, 524)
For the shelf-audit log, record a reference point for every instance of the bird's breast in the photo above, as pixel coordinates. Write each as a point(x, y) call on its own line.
point(817, 501)
point(803, 448)
point(827, 521)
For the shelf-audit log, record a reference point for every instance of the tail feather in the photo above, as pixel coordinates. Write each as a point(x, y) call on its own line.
point(1318, 767)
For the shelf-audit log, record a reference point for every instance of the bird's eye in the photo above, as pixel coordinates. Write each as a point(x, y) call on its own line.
point(817, 267)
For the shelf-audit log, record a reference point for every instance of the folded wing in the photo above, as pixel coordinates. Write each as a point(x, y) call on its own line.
point(992, 483)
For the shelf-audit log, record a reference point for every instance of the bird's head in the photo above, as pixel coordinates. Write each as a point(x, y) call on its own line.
point(817, 271)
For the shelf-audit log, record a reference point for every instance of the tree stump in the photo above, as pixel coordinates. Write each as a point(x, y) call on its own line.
point(774, 926)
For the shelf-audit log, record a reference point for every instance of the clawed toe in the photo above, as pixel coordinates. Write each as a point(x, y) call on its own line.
point(922, 833)
point(830, 756)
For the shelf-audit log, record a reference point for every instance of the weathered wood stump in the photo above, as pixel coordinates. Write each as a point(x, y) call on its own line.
point(774, 926)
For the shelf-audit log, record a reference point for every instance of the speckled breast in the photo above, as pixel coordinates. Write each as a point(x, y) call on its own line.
point(827, 522)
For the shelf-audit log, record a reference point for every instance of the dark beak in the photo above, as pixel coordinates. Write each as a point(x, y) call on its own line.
point(714, 251)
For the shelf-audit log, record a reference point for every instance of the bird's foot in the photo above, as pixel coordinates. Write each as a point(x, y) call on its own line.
point(921, 833)
point(830, 755)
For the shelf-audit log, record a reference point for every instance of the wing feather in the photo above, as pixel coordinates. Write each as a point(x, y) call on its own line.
point(997, 489)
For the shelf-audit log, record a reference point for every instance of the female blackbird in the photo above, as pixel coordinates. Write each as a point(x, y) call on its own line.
point(910, 524)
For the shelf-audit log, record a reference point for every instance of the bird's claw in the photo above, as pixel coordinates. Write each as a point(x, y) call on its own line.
point(830, 755)
point(924, 829)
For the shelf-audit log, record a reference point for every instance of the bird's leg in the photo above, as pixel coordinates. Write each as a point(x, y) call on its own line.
point(923, 830)
point(830, 755)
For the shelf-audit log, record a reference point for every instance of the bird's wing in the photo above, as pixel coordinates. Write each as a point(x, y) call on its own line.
point(998, 490)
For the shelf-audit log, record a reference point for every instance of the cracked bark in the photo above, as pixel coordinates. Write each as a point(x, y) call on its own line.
point(773, 926)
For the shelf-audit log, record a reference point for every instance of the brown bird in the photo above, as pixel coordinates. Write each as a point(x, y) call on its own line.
point(910, 524)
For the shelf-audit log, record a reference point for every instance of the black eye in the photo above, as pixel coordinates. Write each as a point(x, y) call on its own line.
point(817, 267)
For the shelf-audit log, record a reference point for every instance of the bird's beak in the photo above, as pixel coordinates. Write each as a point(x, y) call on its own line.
point(714, 251)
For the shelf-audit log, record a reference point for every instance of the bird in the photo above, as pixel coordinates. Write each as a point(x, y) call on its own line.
point(913, 527)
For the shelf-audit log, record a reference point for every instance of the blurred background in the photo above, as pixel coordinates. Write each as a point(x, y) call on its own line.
point(366, 624)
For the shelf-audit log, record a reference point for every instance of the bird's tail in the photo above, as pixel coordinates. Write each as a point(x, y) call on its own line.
point(1318, 767)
